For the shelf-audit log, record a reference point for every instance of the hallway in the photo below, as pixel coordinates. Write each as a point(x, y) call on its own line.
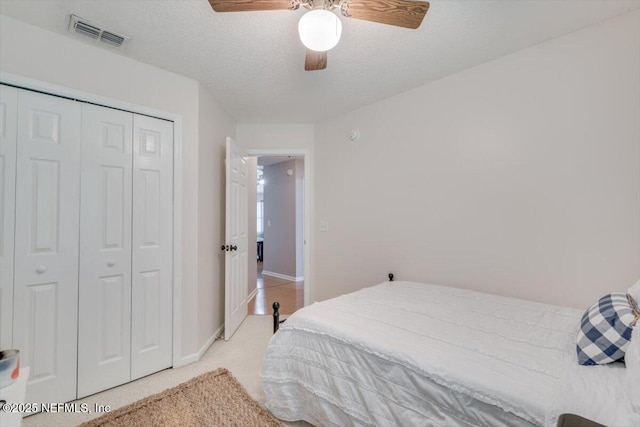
point(289, 294)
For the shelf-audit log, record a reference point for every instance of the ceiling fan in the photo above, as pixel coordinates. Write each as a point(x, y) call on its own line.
point(320, 28)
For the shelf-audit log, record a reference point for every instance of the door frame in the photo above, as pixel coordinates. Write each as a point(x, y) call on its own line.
point(27, 83)
point(308, 197)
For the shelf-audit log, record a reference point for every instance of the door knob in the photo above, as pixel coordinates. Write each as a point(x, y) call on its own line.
point(224, 248)
point(41, 269)
point(111, 263)
point(234, 248)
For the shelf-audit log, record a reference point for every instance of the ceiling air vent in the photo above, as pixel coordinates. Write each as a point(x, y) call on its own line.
point(113, 39)
point(90, 29)
point(87, 30)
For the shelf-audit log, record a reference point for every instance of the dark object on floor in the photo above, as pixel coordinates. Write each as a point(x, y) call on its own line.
point(572, 420)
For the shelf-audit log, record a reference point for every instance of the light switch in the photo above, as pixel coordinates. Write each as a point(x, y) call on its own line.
point(268, 223)
point(324, 226)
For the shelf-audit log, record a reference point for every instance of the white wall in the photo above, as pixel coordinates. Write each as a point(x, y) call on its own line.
point(276, 136)
point(214, 126)
point(280, 219)
point(519, 177)
point(31, 52)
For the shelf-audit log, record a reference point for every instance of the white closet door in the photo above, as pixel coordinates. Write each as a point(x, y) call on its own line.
point(151, 332)
point(104, 335)
point(46, 244)
point(8, 119)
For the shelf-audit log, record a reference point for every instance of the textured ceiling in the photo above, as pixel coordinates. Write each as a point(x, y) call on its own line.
point(253, 62)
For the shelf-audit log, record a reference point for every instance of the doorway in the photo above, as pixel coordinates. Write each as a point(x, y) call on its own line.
point(280, 233)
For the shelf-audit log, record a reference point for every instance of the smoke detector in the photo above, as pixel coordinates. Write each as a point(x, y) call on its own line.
point(97, 32)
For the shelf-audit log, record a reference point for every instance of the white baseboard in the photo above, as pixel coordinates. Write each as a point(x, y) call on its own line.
point(252, 294)
point(282, 276)
point(198, 355)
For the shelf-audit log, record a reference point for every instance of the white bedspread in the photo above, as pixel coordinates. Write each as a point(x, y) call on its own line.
point(404, 353)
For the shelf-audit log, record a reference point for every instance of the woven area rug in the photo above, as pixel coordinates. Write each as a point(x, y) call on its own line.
point(214, 399)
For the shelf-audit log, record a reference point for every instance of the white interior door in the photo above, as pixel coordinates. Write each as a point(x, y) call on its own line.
point(8, 120)
point(237, 244)
point(46, 244)
point(104, 334)
point(152, 246)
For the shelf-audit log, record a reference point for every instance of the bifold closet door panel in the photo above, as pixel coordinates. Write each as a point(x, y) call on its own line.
point(8, 121)
point(104, 334)
point(152, 319)
point(45, 325)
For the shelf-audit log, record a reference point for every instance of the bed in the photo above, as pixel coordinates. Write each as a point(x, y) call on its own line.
point(412, 354)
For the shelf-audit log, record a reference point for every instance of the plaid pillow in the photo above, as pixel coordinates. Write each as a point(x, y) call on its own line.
point(605, 330)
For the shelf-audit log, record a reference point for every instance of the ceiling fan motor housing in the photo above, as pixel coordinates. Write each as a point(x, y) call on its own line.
point(320, 4)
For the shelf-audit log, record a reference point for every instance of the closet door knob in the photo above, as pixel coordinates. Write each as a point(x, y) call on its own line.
point(111, 263)
point(41, 269)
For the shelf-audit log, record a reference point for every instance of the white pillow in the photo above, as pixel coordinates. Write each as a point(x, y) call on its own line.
point(634, 291)
point(632, 361)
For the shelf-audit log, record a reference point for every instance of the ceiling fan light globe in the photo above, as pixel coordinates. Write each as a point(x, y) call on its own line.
point(320, 30)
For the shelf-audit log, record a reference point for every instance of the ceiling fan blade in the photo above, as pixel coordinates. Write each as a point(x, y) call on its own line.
point(252, 5)
point(401, 13)
point(315, 60)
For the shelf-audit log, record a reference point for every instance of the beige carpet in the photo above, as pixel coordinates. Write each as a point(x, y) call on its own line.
point(214, 399)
